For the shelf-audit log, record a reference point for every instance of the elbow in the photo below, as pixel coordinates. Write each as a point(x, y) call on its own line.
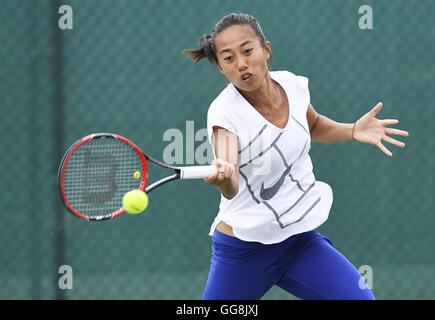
point(231, 195)
point(314, 130)
point(315, 122)
point(232, 191)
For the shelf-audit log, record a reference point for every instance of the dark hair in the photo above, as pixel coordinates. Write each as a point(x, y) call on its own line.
point(206, 42)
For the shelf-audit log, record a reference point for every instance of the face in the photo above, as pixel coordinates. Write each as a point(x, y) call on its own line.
point(241, 57)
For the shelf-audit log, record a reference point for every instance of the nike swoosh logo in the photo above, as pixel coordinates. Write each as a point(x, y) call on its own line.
point(269, 193)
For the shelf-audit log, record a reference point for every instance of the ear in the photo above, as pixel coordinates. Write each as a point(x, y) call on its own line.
point(268, 50)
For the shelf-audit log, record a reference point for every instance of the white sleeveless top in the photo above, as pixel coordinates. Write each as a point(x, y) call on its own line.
point(278, 193)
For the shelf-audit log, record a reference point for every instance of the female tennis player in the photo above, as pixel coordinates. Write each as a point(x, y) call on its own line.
point(261, 127)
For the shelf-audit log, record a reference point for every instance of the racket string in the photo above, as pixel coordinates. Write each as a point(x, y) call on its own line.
point(98, 175)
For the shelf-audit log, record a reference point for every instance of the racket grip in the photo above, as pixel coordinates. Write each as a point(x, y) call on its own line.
point(196, 172)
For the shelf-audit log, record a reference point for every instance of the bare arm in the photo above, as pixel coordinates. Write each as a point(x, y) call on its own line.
point(226, 179)
point(325, 130)
point(367, 129)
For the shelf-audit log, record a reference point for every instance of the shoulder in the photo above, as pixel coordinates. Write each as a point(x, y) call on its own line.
point(224, 102)
point(222, 111)
point(300, 82)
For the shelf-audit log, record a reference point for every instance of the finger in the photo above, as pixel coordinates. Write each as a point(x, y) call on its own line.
point(393, 141)
point(396, 132)
point(389, 122)
point(218, 162)
point(233, 169)
point(226, 173)
point(223, 171)
point(385, 150)
point(211, 178)
point(221, 168)
point(376, 109)
point(229, 171)
point(219, 177)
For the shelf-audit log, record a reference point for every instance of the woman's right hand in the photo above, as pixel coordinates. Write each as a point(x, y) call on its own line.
point(225, 171)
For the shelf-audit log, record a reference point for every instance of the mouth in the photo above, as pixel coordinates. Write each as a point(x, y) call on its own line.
point(246, 77)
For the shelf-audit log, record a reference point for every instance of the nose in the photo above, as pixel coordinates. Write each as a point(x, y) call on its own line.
point(242, 64)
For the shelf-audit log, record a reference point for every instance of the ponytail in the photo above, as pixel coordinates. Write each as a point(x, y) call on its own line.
point(206, 50)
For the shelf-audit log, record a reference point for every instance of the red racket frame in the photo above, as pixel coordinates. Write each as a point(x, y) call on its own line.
point(70, 152)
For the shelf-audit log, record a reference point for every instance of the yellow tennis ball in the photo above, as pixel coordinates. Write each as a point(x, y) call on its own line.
point(135, 201)
point(136, 175)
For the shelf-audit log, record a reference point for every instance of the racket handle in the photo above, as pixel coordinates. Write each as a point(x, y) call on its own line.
point(196, 172)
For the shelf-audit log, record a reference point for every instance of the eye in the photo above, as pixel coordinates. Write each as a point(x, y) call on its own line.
point(248, 51)
point(228, 59)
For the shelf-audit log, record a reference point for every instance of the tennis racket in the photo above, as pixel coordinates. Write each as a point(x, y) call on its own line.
point(99, 169)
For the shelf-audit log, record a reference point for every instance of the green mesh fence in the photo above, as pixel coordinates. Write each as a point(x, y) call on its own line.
point(120, 69)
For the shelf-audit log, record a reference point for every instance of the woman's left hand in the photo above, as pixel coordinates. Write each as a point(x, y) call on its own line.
point(370, 130)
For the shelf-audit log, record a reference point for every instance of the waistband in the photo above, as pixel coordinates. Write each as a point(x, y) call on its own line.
point(223, 238)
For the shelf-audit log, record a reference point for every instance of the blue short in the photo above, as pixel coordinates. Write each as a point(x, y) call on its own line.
point(306, 265)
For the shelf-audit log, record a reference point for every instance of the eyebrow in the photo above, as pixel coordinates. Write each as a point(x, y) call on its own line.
point(243, 44)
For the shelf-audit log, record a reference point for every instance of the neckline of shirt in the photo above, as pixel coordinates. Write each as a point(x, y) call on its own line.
point(251, 107)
